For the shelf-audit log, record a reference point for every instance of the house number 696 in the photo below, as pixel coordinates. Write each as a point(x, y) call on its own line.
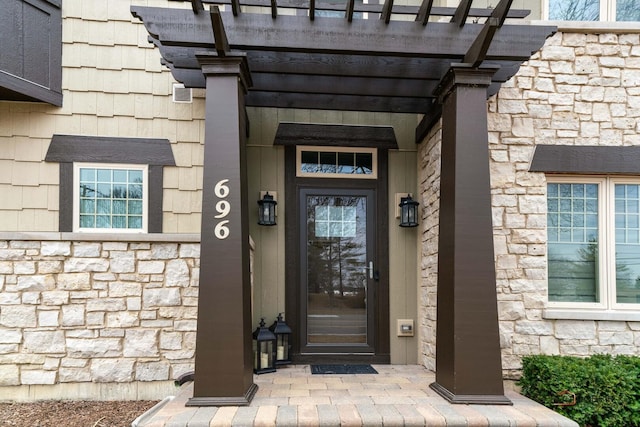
point(223, 207)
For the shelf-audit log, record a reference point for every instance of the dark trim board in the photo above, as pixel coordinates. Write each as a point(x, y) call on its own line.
point(67, 149)
point(76, 148)
point(31, 60)
point(335, 135)
point(586, 160)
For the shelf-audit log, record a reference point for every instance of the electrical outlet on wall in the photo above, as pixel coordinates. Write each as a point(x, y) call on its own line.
point(405, 328)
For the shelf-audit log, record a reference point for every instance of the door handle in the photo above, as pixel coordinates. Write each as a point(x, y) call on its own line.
point(370, 269)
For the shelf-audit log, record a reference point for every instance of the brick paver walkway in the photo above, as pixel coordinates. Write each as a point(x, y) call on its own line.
point(398, 395)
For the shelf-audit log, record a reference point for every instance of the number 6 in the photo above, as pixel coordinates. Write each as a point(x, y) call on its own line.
point(221, 230)
point(221, 190)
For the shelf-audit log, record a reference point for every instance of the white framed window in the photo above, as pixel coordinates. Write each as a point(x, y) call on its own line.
point(336, 162)
point(592, 10)
point(593, 238)
point(110, 197)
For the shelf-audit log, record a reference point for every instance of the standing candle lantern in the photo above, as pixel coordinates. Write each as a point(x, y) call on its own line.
point(264, 344)
point(282, 332)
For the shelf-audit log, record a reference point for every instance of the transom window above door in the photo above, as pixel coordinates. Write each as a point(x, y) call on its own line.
point(336, 162)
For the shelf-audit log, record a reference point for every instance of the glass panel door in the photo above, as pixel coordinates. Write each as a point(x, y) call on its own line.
point(338, 270)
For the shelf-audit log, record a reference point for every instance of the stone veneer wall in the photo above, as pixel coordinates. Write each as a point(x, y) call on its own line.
point(107, 312)
point(580, 89)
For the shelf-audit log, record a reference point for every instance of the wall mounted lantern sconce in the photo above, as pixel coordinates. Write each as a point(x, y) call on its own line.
point(267, 210)
point(264, 343)
point(282, 331)
point(408, 212)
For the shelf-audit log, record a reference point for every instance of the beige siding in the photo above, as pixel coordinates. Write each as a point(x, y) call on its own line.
point(266, 172)
point(115, 86)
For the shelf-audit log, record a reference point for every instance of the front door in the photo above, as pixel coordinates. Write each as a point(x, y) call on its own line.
point(337, 271)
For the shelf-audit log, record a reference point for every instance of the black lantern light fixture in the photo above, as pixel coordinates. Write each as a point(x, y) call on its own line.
point(408, 212)
point(264, 343)
point(282, 331)
point(267, 210)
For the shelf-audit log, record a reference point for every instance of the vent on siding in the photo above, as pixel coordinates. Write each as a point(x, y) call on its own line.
point(181, 93)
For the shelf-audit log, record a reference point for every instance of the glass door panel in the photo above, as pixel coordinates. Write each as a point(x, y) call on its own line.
point(338, 271)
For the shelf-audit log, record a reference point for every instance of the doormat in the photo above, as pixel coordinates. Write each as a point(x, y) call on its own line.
point(343, 369)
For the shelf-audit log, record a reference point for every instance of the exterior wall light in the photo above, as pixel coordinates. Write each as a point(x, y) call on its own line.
point(267, 210)
point(408, 212)
point(264, 343)
point(282, 331)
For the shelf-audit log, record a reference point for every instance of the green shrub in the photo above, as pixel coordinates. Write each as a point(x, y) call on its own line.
point(607, 389)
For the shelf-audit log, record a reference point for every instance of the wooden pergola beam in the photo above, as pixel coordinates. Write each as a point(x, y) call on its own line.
point(219, 35)
point(235, 7)
point(386, 11)
point(462, 13)
point(197, 6)
point(478, 50)
point(368, 7)
point(336, 36)
point(350, 9)
point(424, 12)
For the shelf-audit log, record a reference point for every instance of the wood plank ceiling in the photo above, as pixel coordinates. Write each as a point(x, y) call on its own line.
point(343, 55)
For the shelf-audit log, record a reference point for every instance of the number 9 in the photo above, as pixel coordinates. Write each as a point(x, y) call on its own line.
point(223, 207)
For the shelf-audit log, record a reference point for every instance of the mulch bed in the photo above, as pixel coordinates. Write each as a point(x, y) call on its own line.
point(72, 413)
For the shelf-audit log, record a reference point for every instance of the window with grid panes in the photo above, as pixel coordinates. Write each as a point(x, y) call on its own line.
point(593, 234)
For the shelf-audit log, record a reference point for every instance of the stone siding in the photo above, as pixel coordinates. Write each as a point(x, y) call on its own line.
point(580, 89)
point(97, 311)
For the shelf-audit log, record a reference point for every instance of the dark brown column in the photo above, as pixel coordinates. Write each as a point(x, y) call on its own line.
point(468, 363)
point(224, 361)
